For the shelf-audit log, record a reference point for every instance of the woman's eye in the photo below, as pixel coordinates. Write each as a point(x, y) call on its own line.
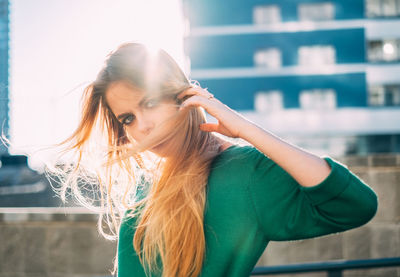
point(127, 120)
point(151, 103)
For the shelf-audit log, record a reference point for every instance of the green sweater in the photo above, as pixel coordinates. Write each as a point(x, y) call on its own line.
point(251, 200)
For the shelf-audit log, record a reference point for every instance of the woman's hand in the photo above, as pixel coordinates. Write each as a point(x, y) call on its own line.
point(229, 121)
point(306, 168)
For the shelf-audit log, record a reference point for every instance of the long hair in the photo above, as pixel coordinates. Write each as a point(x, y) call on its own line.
point(111, 163)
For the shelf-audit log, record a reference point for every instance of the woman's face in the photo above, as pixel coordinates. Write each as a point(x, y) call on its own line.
point(139, 113)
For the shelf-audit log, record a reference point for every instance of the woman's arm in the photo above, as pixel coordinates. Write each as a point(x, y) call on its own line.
point(288, 211)
point(295, 194)
point(306, 168)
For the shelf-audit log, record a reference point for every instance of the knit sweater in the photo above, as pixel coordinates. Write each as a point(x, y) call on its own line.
point(251, 200)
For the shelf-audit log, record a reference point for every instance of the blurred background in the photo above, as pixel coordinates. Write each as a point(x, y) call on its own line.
point(324, 75)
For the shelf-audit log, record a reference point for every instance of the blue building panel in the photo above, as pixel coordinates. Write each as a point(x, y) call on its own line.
point(4, 39)
point(204, 13)
point(239, 93)
point(226, 51)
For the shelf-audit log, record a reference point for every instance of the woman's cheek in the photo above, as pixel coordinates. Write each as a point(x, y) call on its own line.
point(133, 134)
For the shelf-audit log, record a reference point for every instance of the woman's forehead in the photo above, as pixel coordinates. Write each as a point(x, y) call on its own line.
point(121, 91)
point(121, 98)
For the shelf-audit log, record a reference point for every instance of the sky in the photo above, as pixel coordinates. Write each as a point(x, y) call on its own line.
point(58, 46)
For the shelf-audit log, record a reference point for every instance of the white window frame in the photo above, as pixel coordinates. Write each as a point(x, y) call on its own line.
point(268, 101)
point(379, 8)
point(268, 57)
point(321, 11)
point(266, 14)
point(318, 99)
point(316, 55)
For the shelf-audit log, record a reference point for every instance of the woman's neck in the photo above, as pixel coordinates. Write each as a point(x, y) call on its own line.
point(224, 145)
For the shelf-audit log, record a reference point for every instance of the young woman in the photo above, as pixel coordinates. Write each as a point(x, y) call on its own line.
point(182, 200)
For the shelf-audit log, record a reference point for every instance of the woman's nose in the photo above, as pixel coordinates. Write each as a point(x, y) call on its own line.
point(144, 124)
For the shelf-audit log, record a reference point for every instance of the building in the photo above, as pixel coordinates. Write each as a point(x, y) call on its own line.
point(322, 74)
point(4, 39)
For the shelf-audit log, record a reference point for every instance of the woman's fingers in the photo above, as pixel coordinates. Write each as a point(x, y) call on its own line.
point(196, 91)
point(198, 100)
point(228, 120)
point(198, 97)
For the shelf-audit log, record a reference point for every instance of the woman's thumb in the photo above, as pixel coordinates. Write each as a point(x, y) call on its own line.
point(209, 127)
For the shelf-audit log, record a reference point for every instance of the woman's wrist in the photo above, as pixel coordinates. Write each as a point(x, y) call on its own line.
point(308, 169)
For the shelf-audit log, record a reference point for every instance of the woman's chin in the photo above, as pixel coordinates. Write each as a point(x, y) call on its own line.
point(159, 150)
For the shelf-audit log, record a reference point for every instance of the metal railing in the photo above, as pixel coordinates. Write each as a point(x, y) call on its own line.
point(333, 268)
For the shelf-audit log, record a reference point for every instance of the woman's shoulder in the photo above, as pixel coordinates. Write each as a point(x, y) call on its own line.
point(234, 149)
point(239, 156)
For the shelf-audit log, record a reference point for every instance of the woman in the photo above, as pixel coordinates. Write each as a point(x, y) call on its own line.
point(182, 200)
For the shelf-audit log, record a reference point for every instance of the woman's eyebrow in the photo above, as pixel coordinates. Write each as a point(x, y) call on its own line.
point(140, 104)
point(144, 99)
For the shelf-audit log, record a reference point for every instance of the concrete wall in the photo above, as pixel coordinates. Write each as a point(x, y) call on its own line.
point(40, 242)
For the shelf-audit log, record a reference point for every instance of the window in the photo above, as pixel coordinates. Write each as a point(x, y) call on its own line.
point(388, 7)
point(316, 11)
point(318, 99)
point(317, 55)
point(384, 95)
point(382, 8)
point(376, 96)
point(270, 58)
point(387, 50)
point(266, 14)
point(373, 8)
point(392, 95)
point(268, 101)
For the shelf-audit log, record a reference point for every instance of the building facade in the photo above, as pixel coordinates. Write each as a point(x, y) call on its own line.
point(325, 74)
point(4, 64)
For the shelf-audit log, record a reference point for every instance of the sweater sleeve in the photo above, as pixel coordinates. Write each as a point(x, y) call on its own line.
point(288, 211)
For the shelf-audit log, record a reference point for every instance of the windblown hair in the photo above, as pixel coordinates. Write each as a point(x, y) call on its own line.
point(115, 166)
